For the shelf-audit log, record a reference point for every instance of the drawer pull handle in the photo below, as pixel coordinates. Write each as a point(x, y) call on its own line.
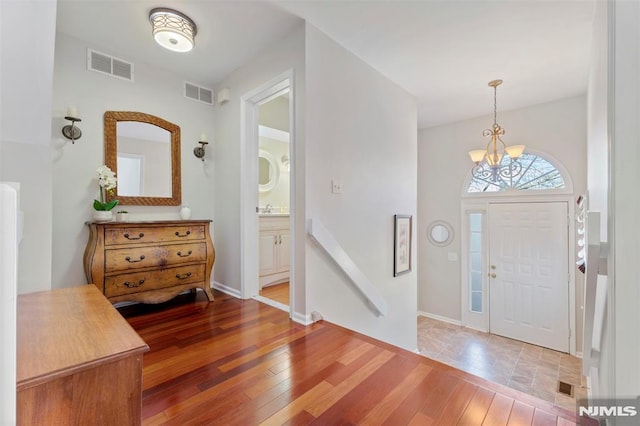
point(178, 234)
point(128, 237)
point(183, 276)
point(185, 255)
point(128, 259)
point(133, 285)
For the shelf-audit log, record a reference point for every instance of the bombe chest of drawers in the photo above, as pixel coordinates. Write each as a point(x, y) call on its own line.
point(149, 262)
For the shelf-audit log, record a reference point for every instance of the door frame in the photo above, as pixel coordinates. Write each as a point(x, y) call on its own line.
point(480, 204)
point(249, 104)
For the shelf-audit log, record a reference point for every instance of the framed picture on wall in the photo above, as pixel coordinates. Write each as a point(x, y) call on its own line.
point(401, 244)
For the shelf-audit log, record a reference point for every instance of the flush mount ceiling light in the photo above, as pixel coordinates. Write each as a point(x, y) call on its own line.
point(173, 30)
point(491, 162)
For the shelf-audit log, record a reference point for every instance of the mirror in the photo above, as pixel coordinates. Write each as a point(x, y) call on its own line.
point(144, 152)
point(440, 233)
point(268, 171)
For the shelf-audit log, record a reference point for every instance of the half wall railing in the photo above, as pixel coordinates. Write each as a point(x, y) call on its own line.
point(364, 286)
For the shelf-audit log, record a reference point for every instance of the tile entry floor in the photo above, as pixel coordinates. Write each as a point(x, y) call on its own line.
point(522, 366)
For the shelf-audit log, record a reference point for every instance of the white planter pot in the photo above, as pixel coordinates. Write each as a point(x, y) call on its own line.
point(185, 213)
point(102, 216)
point(122, 217)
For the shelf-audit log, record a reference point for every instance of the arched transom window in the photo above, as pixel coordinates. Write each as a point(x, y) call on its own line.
point(537, 174)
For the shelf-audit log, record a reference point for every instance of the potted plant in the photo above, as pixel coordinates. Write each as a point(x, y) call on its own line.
point(122, 216)
point(107, 182)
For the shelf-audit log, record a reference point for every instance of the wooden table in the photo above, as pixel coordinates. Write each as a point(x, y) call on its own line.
point(78, 361)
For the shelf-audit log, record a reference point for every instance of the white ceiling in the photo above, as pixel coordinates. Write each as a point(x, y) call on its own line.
point(443, 52)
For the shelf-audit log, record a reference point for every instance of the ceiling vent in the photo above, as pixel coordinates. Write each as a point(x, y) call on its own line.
point(198, 93)
point(109, 65)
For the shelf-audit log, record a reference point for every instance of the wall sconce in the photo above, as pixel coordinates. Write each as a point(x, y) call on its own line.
point(199, 150)
point(70, 131)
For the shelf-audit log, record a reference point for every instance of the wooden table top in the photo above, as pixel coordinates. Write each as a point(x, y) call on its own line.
point(65, 330)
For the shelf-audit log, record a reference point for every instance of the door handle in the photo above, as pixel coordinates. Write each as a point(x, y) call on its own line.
point(492, 274)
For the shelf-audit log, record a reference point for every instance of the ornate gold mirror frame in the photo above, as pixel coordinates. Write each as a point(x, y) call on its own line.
point(111, 119)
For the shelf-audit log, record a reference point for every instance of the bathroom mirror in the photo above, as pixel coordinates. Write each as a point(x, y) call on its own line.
point(440, 233)
point(144, 152)
point(268, 171)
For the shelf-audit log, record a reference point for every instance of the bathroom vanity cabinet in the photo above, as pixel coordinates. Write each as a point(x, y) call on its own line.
point(274, 249)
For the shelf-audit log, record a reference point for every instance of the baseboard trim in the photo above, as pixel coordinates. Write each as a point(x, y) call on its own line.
point(301, 318)
point(439, 318)
point(227, 290)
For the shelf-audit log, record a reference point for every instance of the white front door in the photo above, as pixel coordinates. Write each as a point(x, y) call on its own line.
point(528, 270)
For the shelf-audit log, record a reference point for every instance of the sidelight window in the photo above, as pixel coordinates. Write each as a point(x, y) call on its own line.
point(475, 262)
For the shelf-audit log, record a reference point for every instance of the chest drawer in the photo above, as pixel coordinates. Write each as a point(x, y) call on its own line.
point(132, 234)
point(135, 282)
point(126, 258)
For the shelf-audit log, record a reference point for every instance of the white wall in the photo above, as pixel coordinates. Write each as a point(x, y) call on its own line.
point(9, 213)
point(598, 159)
point(624, 201)
point(361, 130)
point(27, 32)
point(556, 128)
point(275, 113)
point(284, 55)
point(155, 92)
point(278, 197)
point(614, 106)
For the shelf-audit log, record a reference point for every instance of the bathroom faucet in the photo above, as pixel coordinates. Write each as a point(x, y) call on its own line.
point(267, 208)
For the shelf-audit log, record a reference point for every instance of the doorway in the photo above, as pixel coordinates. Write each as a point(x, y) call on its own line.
point(528, 273)
point(268, 177)
point(274, 187)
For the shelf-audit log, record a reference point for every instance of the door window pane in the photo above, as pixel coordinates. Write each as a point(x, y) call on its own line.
point(475, 262)
point(476, 301)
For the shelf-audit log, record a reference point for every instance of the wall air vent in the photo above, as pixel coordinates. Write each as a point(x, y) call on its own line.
point(109, 65)
point(198, 93)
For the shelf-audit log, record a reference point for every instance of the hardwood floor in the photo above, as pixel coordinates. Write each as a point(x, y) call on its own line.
point(236, 362)
point(278, 292)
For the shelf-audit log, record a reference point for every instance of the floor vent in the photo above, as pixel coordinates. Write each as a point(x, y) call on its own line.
point(198, 93)
point(109, 65)
point(565, 388)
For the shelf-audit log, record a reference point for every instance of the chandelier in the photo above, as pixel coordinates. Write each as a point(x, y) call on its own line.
point(173, 30)
point(489, 161)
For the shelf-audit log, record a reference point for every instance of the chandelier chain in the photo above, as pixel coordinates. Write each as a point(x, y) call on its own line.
point(495, 105)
